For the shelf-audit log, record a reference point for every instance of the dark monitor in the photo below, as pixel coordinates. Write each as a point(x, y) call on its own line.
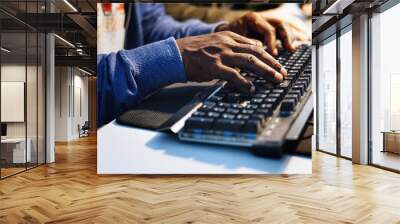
point(3, 129)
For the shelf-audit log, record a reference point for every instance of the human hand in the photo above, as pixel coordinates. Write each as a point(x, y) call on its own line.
point(216, 55)
point(300, 29)
point(267, 29)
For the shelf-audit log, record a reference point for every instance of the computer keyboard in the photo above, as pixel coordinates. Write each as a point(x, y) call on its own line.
point(266, 119)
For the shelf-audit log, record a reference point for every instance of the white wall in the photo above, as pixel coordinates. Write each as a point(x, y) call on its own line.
point(16, 72)
point(71, 87)
point(61, 103)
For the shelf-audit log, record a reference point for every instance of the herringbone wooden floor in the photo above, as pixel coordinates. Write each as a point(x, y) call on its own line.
point(69, 191)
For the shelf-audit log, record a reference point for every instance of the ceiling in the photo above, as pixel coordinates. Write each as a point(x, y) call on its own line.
point(74, 22)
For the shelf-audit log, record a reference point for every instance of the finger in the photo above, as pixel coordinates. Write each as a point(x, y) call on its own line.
point(261, 54)
point(268, 32)
point(244, 40)
point(258, 43)
point(252, 63)
point(300, 35)
point(285, 34)
point(233, 76)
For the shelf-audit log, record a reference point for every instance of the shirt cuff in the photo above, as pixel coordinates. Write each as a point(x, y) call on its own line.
point(156, 65)
point(217, 25)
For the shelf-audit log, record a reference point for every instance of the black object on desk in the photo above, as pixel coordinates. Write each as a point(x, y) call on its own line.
point(3, 129)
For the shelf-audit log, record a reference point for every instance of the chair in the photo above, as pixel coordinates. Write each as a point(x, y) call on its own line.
point(84, 130)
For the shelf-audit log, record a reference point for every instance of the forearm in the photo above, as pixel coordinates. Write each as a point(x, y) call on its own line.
point(158, 26)
point(128, 76)
point(184, 11)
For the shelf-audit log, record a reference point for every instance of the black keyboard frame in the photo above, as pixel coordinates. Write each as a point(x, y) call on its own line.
point(271, 140)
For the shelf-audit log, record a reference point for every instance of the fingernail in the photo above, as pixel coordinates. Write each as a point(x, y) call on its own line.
point(275, 51)
point(278, 77)
point(283, 71)
point(252, 88)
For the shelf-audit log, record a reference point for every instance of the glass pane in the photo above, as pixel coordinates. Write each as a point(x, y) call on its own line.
point(41, 99)
point(13, 86)
point(327, 97)
point(345, 94)
point(32, 98)
point(385, 84)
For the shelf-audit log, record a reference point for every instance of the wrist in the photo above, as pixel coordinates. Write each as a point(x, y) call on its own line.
point(222, 27)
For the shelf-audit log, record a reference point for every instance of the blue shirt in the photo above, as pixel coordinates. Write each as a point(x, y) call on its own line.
point(151, 59)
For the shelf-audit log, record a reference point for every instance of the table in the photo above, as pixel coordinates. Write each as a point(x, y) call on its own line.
point(17, 150)
point(127, 150)
point(391, 141)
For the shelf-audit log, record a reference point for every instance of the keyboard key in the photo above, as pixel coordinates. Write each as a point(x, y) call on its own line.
point(222, 104)
point(274, 95)
point(305, 79)
point(264, 91)
point(299, 87)
point(257, 100)
point(273, 101)
point(233, 97)
point(288, 105)
point(268, 106)
point(301, 82)
point(235, 105)
point(251, 106)
point(232, 111)
point(284, 85)
point(199, 114)
point(228, 116)
point(258, 117)
point(265, 112)
point(215, 98)
point(207, 106)
point(242, 116)
point(247, 111)
point(199, 122)
point(252, 126)
point(260, 95)
point(228, 125)
point(213, 115)
point(293, 96)
point(279, 91)
point(218, 109)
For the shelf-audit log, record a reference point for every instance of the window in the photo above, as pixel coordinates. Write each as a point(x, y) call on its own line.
point(346, 92)
point(326, 133)
point(22, 77)
point(385, 89)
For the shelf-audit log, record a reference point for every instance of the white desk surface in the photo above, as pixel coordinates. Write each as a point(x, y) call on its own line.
point(13, 140)
point(127, 150)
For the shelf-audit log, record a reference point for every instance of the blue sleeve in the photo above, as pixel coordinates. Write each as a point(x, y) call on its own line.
point(126, 77)
point(157, 25)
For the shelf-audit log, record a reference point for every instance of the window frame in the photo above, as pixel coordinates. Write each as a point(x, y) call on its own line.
point(378, 10)
point(333, 37)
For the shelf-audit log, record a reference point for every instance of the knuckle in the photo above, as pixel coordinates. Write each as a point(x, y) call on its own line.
point(251, 58)
point(254, 49)
point(272, 30)
point(225, 32)
point(227, 53)
point(230, 45)
point(216, 60)
point(280, 23)
point(219, 35)
point(251, 15)
point(225, 56)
